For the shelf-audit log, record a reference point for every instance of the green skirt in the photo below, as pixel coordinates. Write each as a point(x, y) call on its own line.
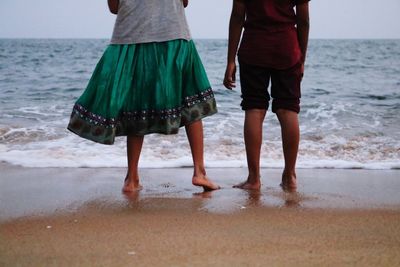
point(137, 89)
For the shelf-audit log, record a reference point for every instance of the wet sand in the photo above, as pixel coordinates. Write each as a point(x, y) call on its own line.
point(79, 217)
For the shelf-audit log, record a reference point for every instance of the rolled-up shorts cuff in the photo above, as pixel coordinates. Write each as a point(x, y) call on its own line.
point(288, 104)
point(254, 103)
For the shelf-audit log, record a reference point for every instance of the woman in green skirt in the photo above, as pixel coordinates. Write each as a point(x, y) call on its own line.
point(150, 79)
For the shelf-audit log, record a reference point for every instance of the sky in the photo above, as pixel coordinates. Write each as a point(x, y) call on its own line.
point(207, 18)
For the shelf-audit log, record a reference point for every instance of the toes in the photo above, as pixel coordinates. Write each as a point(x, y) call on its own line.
point(239, 185)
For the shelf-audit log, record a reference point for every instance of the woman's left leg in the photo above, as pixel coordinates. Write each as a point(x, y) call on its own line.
point(194, 132)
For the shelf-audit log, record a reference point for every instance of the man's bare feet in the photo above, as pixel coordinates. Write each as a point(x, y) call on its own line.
point(289, 182)
point(203, 181)
point(131, 185)
point(249, 185)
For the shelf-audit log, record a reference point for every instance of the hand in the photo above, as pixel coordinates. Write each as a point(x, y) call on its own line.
point(230, 76)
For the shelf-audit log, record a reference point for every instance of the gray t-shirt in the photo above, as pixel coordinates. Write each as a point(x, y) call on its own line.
point(145, 21)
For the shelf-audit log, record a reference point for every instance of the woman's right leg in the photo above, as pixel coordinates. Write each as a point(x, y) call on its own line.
point(134, 147)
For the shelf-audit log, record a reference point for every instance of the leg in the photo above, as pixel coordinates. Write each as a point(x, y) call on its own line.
point(134, 147)
point(290, 141)
point(254, 87)
point(253, 123)
point(194, 133)
point(286, 92)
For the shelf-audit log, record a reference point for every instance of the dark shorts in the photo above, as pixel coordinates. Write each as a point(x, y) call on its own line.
point(285, 87)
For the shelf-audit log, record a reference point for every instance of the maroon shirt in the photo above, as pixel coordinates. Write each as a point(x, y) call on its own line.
point(270, 34)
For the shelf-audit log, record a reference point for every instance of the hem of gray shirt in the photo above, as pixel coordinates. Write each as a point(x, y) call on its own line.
point(145, 40)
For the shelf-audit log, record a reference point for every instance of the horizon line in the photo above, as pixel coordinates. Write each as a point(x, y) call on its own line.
point(202, 38)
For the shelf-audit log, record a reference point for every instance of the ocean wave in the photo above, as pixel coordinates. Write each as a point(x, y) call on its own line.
point(10, 136)
point(220, 152)
point(58, 159)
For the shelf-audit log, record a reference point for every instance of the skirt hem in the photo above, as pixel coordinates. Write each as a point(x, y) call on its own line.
point(90, 129)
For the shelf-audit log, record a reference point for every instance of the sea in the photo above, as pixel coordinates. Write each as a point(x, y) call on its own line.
point(350, 109)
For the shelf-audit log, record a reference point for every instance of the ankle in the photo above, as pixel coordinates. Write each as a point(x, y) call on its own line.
point(132, 176)
point(289, 173)
point(254, 177)
point(199, 171)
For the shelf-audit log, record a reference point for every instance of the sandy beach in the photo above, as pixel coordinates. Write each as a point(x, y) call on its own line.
point(79, 217)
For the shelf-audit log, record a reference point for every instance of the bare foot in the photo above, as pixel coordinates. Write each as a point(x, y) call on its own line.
point(289, 182)
point(247, 185)
point(205, 183)
point(131, 185)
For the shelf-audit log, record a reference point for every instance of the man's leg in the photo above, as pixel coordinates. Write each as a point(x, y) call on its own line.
point(290, 141)
point(253, 124)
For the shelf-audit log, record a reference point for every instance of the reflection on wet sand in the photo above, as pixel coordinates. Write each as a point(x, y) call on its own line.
point(132, 197)
point(226, 200)
point(233, 200)
point(205, 194)
point(292, 200)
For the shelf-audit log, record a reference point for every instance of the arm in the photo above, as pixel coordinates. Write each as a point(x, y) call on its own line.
point(185, 3)
point(235, 31)
point(113, 6)
point(303, 28)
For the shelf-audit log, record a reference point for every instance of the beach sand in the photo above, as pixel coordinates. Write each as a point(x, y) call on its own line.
point(79, 217)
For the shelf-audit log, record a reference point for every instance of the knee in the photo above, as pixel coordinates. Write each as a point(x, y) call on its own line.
point(284, 112)
point(257, 114)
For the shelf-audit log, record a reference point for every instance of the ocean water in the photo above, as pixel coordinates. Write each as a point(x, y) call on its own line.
point(350, 114)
